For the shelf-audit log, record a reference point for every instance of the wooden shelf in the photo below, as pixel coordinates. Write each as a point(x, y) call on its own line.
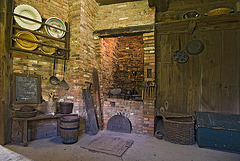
point(64, 47)
point(204, 23)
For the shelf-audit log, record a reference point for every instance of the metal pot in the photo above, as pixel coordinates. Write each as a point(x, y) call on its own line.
point(191, 14)
point(115, 91)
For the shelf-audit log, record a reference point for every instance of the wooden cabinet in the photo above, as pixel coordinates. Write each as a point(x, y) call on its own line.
point(206, 82)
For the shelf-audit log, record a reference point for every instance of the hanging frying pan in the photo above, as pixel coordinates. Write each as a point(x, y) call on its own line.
point(194, 47)
point(180, 55)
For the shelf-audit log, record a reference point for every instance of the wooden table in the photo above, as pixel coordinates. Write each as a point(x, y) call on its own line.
point(24, 123)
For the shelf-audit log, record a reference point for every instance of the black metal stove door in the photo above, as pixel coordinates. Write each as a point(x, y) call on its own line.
point(119, 123)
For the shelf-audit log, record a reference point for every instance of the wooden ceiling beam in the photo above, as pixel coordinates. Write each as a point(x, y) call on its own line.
point(107, 2)
point(161, 5)
point(152, 3)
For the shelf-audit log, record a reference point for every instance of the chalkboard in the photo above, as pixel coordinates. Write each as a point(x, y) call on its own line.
point(27, 88)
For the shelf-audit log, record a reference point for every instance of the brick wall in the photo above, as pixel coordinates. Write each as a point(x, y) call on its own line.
point(149, 66)
point(130, 53)
point(148, 117)
point(130, 56)
point(82, 55)
point(109, 49)
point(40, 65)
point(139, 113)
point(33, 64)
point(149, 56)
point(124, 14)
point(133, 110)
point(84, 48)
point(80, 15)
point(121, 56)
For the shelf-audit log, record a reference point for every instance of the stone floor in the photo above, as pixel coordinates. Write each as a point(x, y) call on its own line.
point(144, 148)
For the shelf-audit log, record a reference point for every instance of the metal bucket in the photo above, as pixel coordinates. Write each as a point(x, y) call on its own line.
point(69, 126)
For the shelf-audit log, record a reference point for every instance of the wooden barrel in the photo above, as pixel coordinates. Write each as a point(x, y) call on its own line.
point(69, 126)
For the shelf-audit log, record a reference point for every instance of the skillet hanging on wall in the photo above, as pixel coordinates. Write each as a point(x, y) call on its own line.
point(194, 47)
point(180, 55)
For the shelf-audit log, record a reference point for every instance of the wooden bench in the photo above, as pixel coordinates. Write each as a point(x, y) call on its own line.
point(24, 123)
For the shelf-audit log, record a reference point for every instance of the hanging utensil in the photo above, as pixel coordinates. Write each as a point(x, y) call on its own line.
point(54, 80)
point(180, 56)
point(51, 95)
point(63, 83)
point(194, 47)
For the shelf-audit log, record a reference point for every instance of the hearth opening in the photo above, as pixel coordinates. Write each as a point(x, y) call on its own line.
point(123, 67)
point(128, 80)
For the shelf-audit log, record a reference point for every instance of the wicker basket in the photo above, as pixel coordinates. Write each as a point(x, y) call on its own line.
point(179, 130)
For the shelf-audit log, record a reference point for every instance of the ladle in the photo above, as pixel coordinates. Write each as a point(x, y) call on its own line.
point(63, 83)
point(54, 80)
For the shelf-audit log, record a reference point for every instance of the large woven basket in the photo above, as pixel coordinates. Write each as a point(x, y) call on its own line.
point(179, 130)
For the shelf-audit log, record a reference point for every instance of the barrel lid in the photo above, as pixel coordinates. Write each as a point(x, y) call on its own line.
point(70, 118)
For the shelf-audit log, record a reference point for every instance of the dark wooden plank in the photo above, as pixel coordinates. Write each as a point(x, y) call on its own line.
point(185, 75)
point(230, 72)
point(24, 132)
point(176, 83)
point(98, 99)
point(179, 91)
point(237, 109)
point(42, 117)
point(204, 23)
point(211, 72)
point(165, 49)
point(201, 5)
point(193, 78)
point(90, 111)
point(163, 85)
point(5, 72)
point(107, 2)
point(124, 31)
point(162, 5)
point(151, 3)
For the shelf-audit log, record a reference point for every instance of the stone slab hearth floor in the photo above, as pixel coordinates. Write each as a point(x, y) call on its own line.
point(144, 148)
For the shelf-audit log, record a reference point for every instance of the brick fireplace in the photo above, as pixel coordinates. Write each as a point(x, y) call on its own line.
point(129, 64)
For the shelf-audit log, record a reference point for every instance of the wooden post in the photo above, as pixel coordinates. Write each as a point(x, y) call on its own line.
point(58, 127)
point(97, 92)
point(24, 132)
point(161, 5)
point(5, 72)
